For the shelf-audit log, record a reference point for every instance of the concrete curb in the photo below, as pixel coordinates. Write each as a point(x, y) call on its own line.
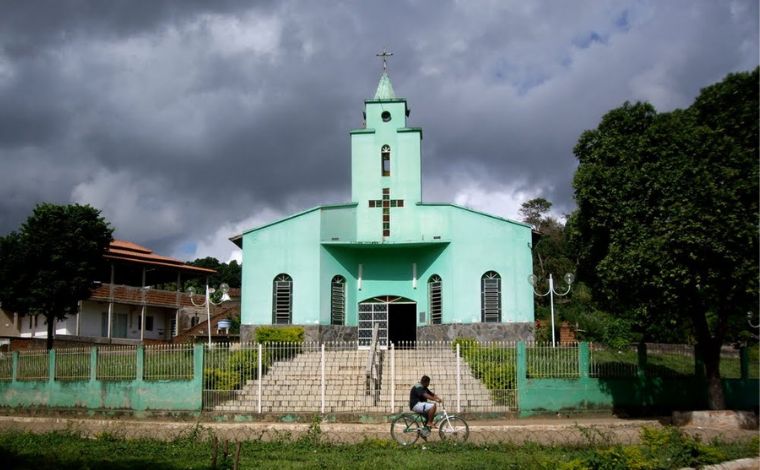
point(740, 464)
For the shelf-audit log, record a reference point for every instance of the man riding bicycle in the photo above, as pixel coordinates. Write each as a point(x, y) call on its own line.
point(419, 398)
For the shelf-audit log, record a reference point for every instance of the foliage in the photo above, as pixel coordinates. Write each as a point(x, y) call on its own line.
point(550, 253)
point(70, 450)
point(494, 366)
point(282, 334)
point(666, 226)
point(231, 273)
point(50, 264)
point(230, 370)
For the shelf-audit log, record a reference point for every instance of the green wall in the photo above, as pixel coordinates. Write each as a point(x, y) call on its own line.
point(94, 394)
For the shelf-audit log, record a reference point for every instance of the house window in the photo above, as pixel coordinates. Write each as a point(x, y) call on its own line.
point(282, 300)
point(435, 300)
point(490, 297)
point(338, 300)
point(385, 154)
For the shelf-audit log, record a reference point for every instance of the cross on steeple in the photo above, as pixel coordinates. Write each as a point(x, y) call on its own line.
point(385, 54)
point(386, 203)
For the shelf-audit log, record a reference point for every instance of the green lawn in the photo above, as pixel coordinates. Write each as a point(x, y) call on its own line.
point(666, 448)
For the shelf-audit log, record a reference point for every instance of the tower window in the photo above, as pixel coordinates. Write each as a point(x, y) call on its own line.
point(385, 116)
point(282, 300)
point(385, 154)
point(490, 297)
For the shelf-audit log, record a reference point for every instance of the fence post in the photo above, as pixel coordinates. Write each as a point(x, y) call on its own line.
point(393, 377)
point(322, 378)
point(14, 366)
point(522, 373)
point(744, 362)
point(584, 361)
point(642, 360)
point(140, 363)
point(51, 365)
point(258, 373)
point(459, 383)
point(93, 364)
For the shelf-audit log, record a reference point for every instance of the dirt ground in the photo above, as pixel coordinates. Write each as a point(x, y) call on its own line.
point(547, 431)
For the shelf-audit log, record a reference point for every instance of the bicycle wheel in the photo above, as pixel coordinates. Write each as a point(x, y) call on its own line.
point(405, 429)
point(454, 429)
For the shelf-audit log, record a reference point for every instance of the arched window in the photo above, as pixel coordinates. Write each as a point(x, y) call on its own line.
point(385, 154)
point(338, 300)
point(490, 297)
point(282, 300)
point(435, 299)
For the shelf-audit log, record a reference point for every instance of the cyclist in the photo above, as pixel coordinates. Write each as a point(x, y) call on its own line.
point(419, 398)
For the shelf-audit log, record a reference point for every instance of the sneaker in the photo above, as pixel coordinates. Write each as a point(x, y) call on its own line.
point(425, 431)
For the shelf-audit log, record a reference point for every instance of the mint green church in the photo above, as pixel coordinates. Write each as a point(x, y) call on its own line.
point(416, 270)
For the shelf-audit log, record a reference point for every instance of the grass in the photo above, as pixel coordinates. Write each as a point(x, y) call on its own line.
point(666, 448)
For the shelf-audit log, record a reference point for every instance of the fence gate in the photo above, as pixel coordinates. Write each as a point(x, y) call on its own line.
point(369, 315)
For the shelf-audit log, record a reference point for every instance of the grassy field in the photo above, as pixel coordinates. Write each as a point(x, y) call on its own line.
point(666, 448)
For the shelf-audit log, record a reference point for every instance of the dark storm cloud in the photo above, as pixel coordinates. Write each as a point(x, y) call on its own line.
point(188, 122)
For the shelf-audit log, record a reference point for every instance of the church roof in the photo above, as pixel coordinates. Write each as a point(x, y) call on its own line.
point(385, 89)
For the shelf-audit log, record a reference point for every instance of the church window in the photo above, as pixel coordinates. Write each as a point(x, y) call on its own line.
point(385, 154)
point(338, 300)
point(490, 297)
point(435, 298)
point(282, 300)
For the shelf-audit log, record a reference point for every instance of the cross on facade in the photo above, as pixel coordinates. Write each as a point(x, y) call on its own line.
point(386, 203)
point(385, 54)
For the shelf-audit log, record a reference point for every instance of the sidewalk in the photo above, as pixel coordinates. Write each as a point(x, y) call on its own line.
point(546, 431)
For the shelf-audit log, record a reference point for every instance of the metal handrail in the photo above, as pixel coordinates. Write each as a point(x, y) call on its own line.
point(372, 376)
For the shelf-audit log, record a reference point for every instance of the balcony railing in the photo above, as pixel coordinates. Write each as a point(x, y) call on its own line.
point(139, 296)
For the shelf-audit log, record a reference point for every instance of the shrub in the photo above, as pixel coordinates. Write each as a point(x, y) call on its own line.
point(282, 334)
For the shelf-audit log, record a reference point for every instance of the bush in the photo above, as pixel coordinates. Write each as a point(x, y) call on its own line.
point(239, 367)
point(282, 334)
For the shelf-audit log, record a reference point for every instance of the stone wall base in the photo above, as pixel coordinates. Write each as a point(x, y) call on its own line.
point(478, 331)
point(447, 332)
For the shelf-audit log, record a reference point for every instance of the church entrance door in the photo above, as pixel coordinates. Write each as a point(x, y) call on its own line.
point(402, 324)
point(371, 314)
point(395, 318)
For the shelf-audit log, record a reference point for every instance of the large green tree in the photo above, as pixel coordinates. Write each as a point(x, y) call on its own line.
point(50, 263)
point(666, 225)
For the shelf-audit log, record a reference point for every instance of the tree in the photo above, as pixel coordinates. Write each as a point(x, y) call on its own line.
point(666, 225)
point(534, 212)
point(229, 273)
point(50, 264)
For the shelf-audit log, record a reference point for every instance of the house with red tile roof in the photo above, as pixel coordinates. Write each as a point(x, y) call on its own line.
point(130, 300)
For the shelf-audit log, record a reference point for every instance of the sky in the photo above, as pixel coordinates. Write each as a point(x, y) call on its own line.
point(189, 122)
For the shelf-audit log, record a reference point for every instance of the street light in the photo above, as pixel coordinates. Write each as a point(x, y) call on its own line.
point(533, 280)
point(208, 302)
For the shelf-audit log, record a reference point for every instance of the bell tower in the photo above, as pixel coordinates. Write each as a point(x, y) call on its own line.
point(386, 167)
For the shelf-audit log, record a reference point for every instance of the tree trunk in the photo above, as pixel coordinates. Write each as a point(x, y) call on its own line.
point(716, 400)
point(50, 330)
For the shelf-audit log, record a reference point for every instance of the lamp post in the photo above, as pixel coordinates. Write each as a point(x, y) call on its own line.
point(208, 302)
point(533, 280)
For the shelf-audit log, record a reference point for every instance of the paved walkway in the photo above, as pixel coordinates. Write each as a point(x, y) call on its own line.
point(543, 431)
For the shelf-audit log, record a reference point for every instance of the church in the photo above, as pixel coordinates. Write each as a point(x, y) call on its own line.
point(417, 271)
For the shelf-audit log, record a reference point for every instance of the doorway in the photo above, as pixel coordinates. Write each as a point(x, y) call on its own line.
point(402, 324)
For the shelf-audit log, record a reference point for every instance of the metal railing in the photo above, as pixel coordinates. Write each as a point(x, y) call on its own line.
point(608, 362)
point(547, 362)
point(72, 364)
point(33, 365)
point(6, 366)
point(168, 362)
point(116, 363)
point(669, 360)
point(333, 377)
point(372, 372)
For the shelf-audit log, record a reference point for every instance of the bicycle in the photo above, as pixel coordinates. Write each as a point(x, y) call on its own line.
point(406, 428)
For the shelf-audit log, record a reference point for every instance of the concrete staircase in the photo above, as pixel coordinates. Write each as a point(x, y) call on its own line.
point(294, 386)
